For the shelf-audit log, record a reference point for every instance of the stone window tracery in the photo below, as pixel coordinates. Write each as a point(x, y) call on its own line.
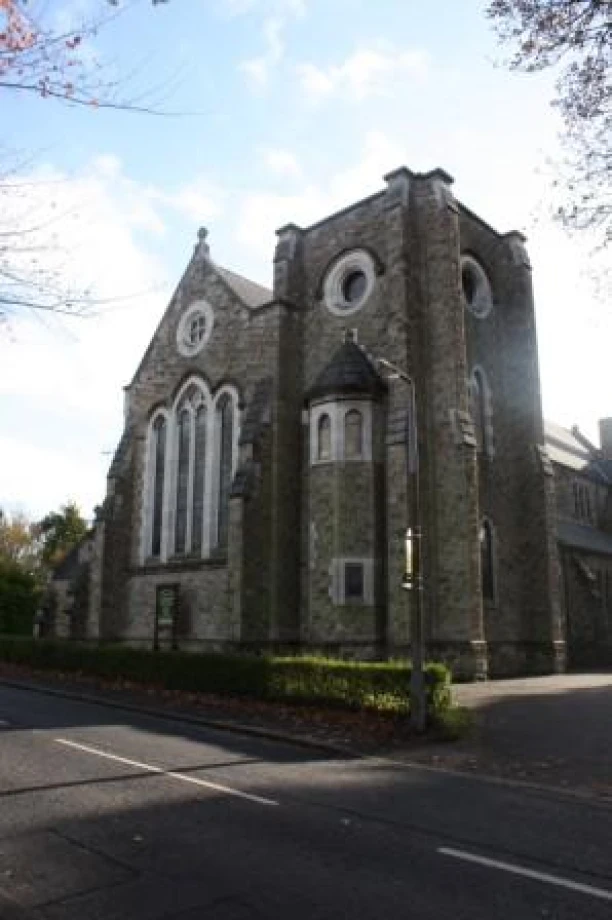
point(159, 466)
point(341, 431)
point(192, 459)
point(194, 328)
point(182, 480)
point(225, 412)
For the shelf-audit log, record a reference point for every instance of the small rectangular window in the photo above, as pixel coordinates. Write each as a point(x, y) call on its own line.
point(353, 581)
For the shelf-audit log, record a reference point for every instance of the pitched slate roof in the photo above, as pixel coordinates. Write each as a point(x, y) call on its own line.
point(580, 536)
point(250, 293)
point(567, 450)
point(349, 371)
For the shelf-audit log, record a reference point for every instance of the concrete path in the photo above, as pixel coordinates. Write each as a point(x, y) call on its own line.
point(555, 730)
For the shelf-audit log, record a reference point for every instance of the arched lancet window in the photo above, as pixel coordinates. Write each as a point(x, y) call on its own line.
point(199, 472)
point(353, 435)
point(159, 472)
point(182, 480)
point(324, 438)
point(191, 461)
point(479, 395)
point(225, 412)
point(487, 561)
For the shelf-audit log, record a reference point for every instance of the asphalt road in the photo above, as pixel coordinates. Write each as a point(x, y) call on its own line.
point(110, 815)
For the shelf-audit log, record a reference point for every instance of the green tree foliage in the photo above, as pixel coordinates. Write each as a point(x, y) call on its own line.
point(59, 532)
point(575, 37)
point(19, 573)
point(20, 594)
point(19, 544)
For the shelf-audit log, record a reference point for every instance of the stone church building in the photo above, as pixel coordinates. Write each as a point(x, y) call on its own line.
point(271, 464)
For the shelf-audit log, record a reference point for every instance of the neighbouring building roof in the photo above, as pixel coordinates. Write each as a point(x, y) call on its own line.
point(580, 536)
point(565, 449)
point(349, 371)
point(250, 293)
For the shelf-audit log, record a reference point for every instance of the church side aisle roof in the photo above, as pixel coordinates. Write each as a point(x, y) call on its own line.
point(565, 449)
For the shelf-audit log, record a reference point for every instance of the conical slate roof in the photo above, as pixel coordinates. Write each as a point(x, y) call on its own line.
point(349, 371)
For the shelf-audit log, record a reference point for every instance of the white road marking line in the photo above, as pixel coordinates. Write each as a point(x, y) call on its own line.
point(227, 790)
point(528, 873)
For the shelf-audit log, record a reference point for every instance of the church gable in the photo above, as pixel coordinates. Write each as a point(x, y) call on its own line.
point(206, 329)
point(197, 383)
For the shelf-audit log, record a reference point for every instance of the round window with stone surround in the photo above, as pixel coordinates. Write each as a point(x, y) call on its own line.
point(195, 328)
point(349, 282)
point(475, 287)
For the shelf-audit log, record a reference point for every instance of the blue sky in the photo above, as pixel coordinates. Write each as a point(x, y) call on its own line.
point(287, 110)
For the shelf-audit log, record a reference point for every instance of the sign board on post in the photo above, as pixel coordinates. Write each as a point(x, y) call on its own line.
point(166, 611)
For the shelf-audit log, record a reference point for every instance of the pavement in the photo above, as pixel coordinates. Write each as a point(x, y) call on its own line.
point(112, 812)
point(554, 730)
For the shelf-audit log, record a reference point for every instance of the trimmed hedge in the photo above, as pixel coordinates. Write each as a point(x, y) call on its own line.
point(320, 681)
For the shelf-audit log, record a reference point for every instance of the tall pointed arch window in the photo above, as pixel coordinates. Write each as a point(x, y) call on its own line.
point(199, 485)
point(487, 560)
point(159, 474)
point(182, 480)
point(480, 408)
point(353, 435)
point(192, 453)
point(225, 412)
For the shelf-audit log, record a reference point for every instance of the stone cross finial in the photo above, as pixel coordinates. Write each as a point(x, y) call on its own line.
point(201, 247)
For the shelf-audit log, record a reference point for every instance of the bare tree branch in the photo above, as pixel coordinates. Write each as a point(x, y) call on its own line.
point(575, 36)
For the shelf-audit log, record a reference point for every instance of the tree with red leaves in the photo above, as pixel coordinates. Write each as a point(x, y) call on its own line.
point(57, 66)
point(36, 59)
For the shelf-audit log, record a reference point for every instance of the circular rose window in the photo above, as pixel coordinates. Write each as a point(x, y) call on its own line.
point(475, 287)
point(349, 282)
point(195, 328)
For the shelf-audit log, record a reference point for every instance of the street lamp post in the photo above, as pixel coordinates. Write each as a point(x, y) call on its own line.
point(413, 579)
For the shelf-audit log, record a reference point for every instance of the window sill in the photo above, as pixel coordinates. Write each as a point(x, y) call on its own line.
point(181, 563)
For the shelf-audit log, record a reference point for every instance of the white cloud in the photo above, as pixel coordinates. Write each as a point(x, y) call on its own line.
point(258, 69)
point(38, 478)
point(365, 73)
point(282, 162)
point(275, 15)
point(61, 381)
point(199, 200)
point(263, 212)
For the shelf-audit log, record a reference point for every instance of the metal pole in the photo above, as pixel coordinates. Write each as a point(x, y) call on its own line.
point(418, 697)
